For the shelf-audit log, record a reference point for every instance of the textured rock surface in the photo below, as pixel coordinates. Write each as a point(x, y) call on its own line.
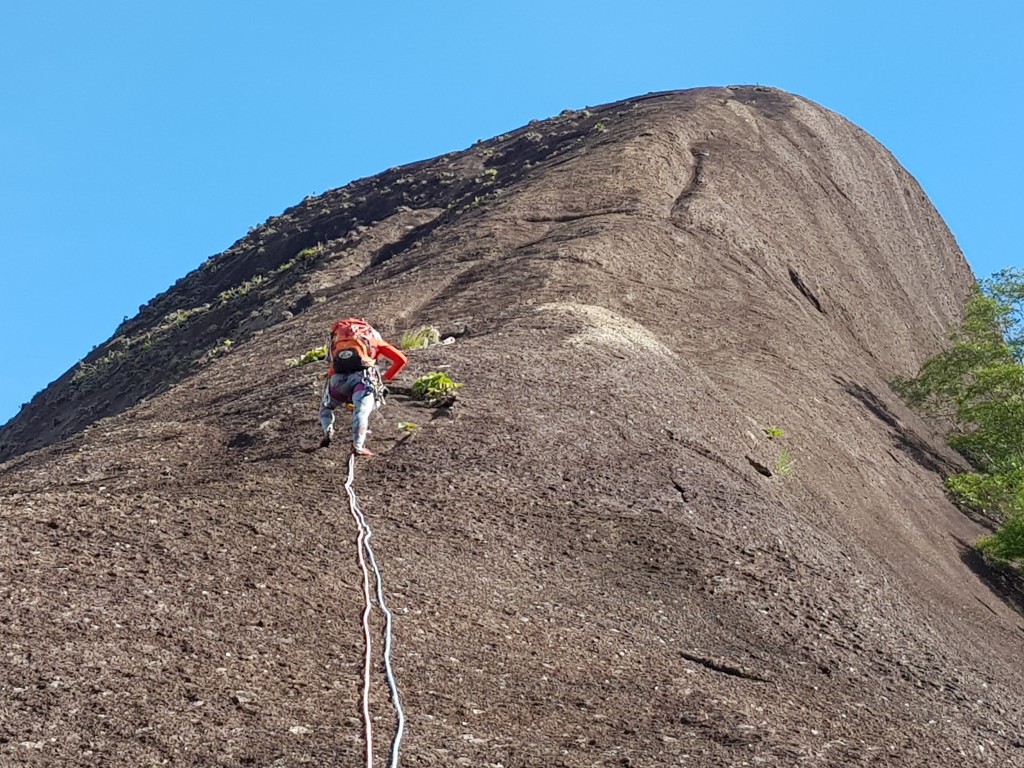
point(598, 556)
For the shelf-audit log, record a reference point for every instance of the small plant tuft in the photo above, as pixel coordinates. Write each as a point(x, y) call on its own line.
point(317, 353)
point(241, 290)
point(785, 464)
point(222, 347)
point(435, 388)
point(181, 316)
point(421, 338)
point(86, 373)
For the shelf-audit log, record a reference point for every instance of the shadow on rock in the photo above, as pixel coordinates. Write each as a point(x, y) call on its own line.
point(1007, 585)
point(904, 439)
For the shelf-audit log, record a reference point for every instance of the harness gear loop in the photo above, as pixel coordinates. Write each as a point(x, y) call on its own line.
point(376, 384)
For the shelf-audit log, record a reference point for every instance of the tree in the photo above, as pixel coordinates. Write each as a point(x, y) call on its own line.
point(976, 391)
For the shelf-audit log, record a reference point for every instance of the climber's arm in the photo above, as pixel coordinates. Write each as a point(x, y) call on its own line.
point(395, 355)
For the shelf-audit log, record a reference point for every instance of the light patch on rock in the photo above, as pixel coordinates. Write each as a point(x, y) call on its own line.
point(603, 327)
point(745, 113)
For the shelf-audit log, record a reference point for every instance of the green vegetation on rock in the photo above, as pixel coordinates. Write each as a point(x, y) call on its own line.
point(975, 389)
point(435, 388)
point(317, 353)
point(421, 338)
point(785, 463)
point(241, 290)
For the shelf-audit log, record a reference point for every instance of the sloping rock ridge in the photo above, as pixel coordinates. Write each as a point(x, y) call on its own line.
point(675, 517)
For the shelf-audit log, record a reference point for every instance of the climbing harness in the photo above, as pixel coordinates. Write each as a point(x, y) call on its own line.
point(366, 552)
point(372, 381)
point(380, 389)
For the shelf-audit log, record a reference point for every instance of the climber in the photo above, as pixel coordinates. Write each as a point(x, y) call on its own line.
point(353, 378)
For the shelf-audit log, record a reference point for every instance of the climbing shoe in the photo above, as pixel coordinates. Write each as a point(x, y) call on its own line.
point(363, 452)
point(328, 436)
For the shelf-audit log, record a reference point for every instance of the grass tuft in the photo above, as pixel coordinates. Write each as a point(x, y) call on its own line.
point(421, 338)
point(317, 353)
point(785, 464)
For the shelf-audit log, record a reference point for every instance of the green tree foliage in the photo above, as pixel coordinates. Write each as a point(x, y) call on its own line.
point(976, 389)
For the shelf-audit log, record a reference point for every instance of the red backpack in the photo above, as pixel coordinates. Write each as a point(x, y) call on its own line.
point(353, 345)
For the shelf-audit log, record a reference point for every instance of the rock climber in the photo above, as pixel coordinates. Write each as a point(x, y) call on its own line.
point(353, 378)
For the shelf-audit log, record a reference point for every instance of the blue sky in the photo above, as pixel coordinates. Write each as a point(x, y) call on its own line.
point(137, 139)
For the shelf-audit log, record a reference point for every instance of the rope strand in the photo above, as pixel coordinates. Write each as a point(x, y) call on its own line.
point(388, 619)
point(365, 534)
point(361, 544)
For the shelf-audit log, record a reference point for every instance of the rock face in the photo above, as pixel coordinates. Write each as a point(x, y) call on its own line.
point(675, 517)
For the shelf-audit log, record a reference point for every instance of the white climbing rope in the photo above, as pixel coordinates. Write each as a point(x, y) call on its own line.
point(363, 542)
point(361, 545)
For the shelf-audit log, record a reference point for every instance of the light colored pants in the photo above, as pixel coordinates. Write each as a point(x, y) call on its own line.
point(355, 388)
